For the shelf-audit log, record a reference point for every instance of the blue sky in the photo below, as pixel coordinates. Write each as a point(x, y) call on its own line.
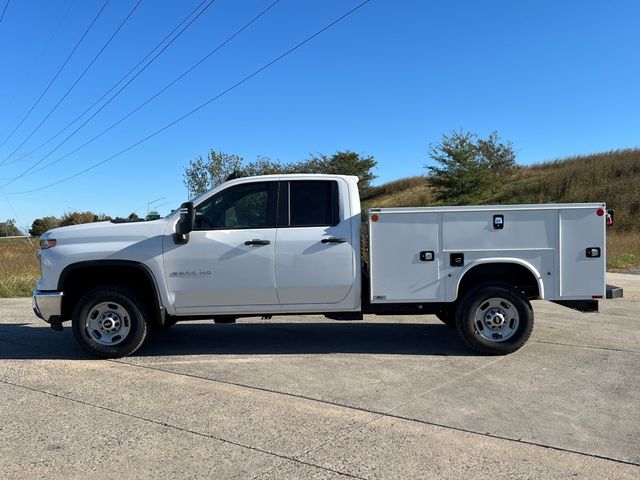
point(555, 78)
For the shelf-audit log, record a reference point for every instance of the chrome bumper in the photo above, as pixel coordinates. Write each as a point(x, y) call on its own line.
point(47, 305)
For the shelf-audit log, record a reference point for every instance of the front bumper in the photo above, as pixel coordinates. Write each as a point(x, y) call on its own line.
point(47, 305)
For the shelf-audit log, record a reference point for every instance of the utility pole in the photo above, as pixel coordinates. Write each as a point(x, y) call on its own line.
point(153, 201)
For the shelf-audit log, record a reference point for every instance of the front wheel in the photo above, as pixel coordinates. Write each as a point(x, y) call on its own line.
point(110, 322)
point(495, 319)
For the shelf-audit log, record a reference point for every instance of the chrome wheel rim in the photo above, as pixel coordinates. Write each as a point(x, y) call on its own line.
point(107, 324)
point(496, 320)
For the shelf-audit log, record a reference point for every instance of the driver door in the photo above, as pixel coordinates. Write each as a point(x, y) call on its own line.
point(228, 262)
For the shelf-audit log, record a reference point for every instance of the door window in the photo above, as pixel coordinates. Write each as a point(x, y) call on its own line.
point(313, 203)
point(251, 205)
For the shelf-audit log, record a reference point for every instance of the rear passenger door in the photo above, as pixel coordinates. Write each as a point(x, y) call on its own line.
point(314, 256)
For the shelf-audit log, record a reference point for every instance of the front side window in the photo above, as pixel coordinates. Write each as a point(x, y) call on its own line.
point(251, 205)
point(313, 203)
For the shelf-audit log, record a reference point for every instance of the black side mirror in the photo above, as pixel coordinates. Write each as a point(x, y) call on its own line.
point(185, 224)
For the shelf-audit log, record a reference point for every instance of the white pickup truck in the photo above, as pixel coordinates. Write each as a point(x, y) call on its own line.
point(299, 244)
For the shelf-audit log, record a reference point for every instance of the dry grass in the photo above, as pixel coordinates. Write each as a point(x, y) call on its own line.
point(612, 177)
point(407, 192)
point(623, 250)
point(19, 268)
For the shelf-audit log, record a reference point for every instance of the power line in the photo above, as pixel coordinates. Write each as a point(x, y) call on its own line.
point(201, 106)
point(135, 7)
point(117, 83)
point(158, 93)
point(56, 75)
point(47, 44)
point(6, 5)
point(15, 215)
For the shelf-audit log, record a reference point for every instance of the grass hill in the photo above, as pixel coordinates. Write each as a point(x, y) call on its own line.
point(612, 177)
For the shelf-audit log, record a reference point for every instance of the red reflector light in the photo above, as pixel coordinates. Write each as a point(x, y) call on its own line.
point(597, 296)
point(375, 218)
point(600, 212)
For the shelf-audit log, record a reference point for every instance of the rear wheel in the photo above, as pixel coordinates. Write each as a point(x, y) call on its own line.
point(495, 319)
point(110, 322)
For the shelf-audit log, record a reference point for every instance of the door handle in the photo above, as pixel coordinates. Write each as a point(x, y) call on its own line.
point(333, 240)
point(257, 242)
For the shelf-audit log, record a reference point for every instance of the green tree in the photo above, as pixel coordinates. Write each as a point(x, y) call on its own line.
point(263, 166)
point(9, 229)
point(101, 217)
point(41, 225)
point(470, 168)
point(342, 163)
point(203, 174)
point(77, 218)
point(132, 217)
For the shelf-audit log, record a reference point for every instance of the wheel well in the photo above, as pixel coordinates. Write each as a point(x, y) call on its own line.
point(75, 281)
point(512, 273)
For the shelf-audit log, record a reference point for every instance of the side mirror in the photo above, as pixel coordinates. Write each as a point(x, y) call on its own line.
point(185, 224)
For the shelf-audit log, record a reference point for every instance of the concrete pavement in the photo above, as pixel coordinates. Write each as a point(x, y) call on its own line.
point(306, 397)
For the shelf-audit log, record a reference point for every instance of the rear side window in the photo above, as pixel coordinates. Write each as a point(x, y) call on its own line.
point(313, 203)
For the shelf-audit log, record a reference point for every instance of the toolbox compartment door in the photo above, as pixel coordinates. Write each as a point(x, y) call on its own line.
point(581, 276)
point(405, 260)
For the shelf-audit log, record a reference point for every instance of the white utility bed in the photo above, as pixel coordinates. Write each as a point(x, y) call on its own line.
point(411, 252)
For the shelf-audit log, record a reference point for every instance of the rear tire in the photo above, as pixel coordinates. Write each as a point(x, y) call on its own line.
point(495, 319)
point(110, 322)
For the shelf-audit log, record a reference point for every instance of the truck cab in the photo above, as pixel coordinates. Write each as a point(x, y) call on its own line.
point(253, 246)
point(268, 246)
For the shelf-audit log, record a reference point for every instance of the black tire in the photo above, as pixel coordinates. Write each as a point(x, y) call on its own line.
point(448, 317)
point(224, 319)
point(129, 322)
point(497, 302)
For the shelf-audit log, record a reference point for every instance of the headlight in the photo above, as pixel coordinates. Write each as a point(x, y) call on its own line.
point(47, 243)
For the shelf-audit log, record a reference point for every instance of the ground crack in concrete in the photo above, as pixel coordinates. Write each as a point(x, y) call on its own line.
point(181, 429)
point(387, 414)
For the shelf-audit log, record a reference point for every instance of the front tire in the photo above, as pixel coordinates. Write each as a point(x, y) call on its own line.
point(495, 319)
point(110, 322)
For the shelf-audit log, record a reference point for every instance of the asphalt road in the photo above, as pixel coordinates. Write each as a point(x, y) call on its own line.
point(305, 397)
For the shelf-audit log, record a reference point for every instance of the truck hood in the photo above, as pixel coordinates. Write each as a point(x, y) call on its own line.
point(106, 232)
point(136, 241)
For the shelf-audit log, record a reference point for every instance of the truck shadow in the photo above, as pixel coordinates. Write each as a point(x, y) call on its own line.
point(25, 341)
